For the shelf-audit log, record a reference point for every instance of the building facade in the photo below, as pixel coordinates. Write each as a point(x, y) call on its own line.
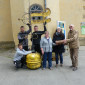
point(70, 11)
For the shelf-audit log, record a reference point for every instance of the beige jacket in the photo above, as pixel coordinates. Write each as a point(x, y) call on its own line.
point(73, 39)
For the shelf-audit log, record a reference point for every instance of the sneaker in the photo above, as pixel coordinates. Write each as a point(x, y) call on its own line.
point(50, 68)
point(56, 65)
point(24, 67)
point(43, 68)
point(75, 68)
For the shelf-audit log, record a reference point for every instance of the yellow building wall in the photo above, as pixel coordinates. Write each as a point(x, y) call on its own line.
point(55, 15)
point(27, 4)
point(71, 12)
point(5, 21)
point(18, 8)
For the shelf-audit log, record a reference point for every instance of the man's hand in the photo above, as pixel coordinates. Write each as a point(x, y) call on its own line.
point(28, 24)
point(44, 23)
point(26, 37)
point(65, 42)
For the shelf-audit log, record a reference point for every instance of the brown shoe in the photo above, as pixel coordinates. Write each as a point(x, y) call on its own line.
point(75, 68)
point(71, 66)
point(61, 65)
point(56, 65)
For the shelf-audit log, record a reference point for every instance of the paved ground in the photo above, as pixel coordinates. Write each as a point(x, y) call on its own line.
point(60, 76)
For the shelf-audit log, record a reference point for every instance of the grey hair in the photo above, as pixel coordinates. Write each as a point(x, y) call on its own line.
point(71, 25)
point(46, 32)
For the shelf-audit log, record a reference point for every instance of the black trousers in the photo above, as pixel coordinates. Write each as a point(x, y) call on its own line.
point(23, 61)
point(18, 64)
point(25, 48)
point(37, 48)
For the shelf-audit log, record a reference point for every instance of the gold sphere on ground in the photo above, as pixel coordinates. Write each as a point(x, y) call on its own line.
point(33, 60)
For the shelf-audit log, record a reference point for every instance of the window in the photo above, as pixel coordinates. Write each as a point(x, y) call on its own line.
point(35, 8)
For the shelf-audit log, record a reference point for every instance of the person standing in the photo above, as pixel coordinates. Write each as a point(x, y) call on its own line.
point(59, 48)
point(73, 40)
point(36, 37)
point(23, 35)
point(46, 49)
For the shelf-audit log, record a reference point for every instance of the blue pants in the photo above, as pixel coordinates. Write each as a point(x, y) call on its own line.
point(61, 58)
point(49, 55)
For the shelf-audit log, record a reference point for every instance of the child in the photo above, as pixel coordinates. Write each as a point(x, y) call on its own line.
point(18, 61)
point(58, 49)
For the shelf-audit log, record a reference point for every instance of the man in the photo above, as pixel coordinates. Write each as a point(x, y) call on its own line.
point(36, 37)
point(73, 40)
point(23, 35)
point(18, 58)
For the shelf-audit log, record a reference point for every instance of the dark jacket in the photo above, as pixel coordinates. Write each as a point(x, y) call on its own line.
point(58, 48)
point(36, 36)
point(21, 37)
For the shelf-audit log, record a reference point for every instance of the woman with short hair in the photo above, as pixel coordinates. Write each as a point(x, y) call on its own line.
point(46, 49)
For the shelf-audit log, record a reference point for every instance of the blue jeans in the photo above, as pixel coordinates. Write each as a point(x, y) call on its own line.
point(49, 55)
point(61, 58)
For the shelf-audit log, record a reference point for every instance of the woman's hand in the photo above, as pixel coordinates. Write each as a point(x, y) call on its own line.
point(42, 51)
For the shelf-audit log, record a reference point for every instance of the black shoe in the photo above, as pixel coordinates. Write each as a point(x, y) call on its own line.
point(24, 67)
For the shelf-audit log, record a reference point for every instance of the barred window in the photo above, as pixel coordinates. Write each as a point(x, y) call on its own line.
point(36, 8)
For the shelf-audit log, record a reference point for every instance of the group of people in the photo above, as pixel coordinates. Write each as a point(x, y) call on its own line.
point(46, 45)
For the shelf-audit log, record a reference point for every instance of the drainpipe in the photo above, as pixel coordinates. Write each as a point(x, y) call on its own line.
point(45, 3)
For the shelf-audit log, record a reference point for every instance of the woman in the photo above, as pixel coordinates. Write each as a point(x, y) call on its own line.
point(46, 49)
point(59, 48)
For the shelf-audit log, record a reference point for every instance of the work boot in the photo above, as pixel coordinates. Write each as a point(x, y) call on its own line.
point(71, 66)
point(75, 68)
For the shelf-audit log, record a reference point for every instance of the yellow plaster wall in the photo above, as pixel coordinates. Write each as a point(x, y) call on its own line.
point(27, 4)
point(21, 7)
point(17, 10)
point(5, 21)
point(71, 12)
point(55, 15)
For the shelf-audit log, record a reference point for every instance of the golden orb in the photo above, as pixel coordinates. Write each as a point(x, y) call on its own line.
point(33, 60)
